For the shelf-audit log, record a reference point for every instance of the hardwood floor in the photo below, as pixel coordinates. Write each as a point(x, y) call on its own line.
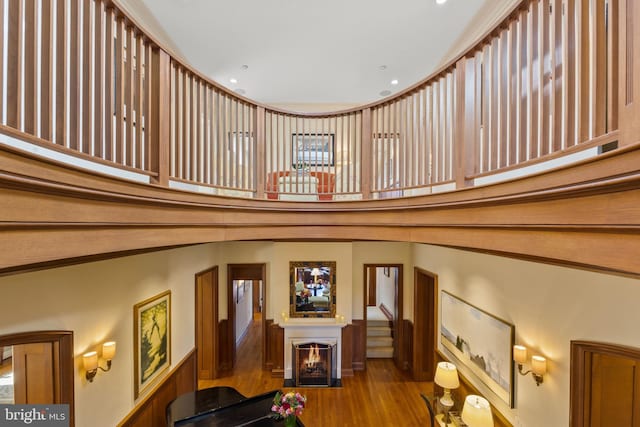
point(380, 396)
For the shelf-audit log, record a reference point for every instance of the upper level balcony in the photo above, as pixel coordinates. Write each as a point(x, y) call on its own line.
point(542, 108)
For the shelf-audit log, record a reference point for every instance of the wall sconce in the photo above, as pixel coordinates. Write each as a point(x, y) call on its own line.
point(538, 363)
point(339, 318)
point(90, 360)
point(447, 378)
point(476, 412)
point(285, 318)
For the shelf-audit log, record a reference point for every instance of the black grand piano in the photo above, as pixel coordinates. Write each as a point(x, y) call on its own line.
point(224, 407)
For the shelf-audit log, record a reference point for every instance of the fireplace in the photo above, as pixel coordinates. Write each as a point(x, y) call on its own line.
point(314, 364)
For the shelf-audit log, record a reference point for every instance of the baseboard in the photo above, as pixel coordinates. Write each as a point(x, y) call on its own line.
point(277, 373)
point(358, 366)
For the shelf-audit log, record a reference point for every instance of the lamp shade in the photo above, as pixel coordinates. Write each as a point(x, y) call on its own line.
point(315, 272)
point(90, 361)
point(476, 412)
point(109, 350)
point(539, 365)
point(520, 354)
point(447, 375)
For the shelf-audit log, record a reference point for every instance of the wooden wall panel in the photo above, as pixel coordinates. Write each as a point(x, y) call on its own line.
point(359, 349)
point(347, 351)
point(225, 346)
point(151, 411)
point(407, 344)
point(275, 348)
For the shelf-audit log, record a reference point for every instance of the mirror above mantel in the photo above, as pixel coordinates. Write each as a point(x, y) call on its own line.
point(312, 288)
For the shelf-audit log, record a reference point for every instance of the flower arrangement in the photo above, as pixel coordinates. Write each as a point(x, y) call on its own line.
point(289, 405)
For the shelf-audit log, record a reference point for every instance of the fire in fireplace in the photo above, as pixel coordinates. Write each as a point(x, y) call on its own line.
point(314, 364)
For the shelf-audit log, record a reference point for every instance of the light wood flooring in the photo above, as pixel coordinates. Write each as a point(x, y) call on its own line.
point(380, 396)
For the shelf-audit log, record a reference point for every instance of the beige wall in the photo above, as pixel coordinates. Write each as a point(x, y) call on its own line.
point(95, 301)
point(549, 306)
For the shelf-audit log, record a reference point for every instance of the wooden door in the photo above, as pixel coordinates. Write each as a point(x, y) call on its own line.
point(206, 327)
point(605, 385)
point(373, 286)
point(34, 373)
point(424, 328)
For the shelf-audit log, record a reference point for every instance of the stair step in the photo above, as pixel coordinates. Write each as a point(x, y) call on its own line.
point(379, 342)
point(380, 352)
point(377, 323)
point(378, 331)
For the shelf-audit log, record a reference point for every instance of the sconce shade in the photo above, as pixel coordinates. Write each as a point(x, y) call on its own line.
point(447, 375)
point(109, 350)
point(90, 361)
point(538, 365)
point(476, 412)
point(520, 354)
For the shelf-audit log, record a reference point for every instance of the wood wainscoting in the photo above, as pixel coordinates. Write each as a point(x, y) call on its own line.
point(151, 411)
point(407, 345)
point(274, 348)
point(465, 389)
point(359, 344)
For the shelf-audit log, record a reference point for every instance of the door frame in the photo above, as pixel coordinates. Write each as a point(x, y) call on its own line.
point(398, 329)
point(424, 334)
point(245, 271)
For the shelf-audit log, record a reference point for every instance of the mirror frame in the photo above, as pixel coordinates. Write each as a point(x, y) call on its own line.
point(63, 342)
point(293, 265)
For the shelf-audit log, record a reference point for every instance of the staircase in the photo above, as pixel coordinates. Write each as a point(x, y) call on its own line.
point(379, 340)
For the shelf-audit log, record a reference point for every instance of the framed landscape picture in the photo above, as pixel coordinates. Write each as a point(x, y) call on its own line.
point(312, 149)
point(152, 340)
point(480, 341)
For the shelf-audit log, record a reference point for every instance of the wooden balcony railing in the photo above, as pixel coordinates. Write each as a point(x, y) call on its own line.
point(554, 77)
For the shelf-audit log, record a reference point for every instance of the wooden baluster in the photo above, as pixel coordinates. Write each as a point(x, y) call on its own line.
point(613, 81)
point(365, 178)
point(99, 79)
point(260, 151)
point(46, 71)
point(29, 118)
point(85, 124)
point(159, 118)
point(109, 78)
point(120, 90)
point(141, 151)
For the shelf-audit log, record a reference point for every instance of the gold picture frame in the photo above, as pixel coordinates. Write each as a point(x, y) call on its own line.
point(152, 340)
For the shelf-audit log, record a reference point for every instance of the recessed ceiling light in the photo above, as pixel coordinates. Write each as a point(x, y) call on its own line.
point(233, 80)
point(394, 82)
point(245, 67)
point(441, 1)
point(385, 93)
point(382, 67)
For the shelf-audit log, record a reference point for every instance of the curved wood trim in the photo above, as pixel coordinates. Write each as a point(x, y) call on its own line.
point(64, 341)
point(579, 362)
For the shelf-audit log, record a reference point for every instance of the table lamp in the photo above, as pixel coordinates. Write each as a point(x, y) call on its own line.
point(476, 412)
point(447, 378)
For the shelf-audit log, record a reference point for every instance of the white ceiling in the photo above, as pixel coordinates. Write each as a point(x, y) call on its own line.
point(327, 51)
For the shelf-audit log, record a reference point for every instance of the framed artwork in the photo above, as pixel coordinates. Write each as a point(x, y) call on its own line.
point(152, 340)
point(311, 149)
point(312, 288)
point(480, 341)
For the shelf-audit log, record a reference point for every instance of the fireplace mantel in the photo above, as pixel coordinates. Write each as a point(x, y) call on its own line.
point(298, 331)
